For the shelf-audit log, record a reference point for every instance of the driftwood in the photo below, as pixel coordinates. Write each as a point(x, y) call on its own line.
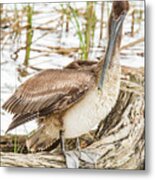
point(131, 44)
point(118, 142)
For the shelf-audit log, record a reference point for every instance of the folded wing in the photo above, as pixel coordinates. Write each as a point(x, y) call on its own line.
point(51, 91)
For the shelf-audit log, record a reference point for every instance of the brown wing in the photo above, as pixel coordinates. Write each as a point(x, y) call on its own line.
point(51, 91)
point(83, 65)
point(91, 66)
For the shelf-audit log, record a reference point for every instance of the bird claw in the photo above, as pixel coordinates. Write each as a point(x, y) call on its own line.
point(73, 158)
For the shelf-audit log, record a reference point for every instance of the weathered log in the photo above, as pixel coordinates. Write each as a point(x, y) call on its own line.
point(118, 142)
point(11, 143)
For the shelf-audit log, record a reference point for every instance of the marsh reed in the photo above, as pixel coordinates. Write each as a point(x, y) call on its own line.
point(29, 34)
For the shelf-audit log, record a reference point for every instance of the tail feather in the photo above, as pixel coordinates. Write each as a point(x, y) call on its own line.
point(9, 103)
point(21, 119)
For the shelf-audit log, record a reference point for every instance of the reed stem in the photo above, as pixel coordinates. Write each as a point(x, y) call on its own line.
point(101, 22)
point(133, 23)
point(29, 34)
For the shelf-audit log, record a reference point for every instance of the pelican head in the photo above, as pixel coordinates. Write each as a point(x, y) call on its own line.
point(118, 14)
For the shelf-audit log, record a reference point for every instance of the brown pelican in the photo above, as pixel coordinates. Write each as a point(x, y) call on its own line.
point(71, 101)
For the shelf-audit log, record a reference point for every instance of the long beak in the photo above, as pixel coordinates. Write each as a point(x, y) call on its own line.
point(115, 28)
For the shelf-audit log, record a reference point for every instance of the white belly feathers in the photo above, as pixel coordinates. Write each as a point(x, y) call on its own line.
point(83, 116)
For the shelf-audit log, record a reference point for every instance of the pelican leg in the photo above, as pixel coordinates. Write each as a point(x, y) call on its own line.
point(71, 157)
point(62, 142)
point(78, 147)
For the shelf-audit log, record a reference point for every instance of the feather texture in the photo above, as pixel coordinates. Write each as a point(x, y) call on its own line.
point(51, 91)
point(19, 119)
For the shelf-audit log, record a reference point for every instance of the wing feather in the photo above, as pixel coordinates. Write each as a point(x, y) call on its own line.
point(50, 91)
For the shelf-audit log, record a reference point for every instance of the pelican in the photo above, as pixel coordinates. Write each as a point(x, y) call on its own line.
point(69, 102)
